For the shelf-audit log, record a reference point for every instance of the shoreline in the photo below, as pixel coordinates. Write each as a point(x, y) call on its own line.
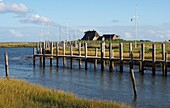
point(19, 93)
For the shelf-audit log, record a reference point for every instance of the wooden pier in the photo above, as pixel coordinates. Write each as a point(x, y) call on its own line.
point(44, 51)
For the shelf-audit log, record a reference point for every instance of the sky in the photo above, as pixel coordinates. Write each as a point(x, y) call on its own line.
point(57, 20)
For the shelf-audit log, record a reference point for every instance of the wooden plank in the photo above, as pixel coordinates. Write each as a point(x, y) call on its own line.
point(6, 65)
point(133, 82)
point(51, 51)
point(85, 52)
point(163, 58)
point(142, 58)
point(79, 51)
point(43, 48)
point(166, 59)
point(34, 53)
point(111, 66)
point(64, 59)
point(131, 56)
point(102, 49)
point(71, 53)
point(95, 61)
point(40, 52)
point(57, 54)
point(121, 56)
point(79, 48)
point(153, 59)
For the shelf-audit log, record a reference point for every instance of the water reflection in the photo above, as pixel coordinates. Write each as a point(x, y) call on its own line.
point(153, 91)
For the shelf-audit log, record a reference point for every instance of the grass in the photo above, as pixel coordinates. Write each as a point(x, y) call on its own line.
point(20, 94)
point(17, 44)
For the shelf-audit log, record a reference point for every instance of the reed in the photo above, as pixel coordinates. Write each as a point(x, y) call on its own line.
point(20, 94)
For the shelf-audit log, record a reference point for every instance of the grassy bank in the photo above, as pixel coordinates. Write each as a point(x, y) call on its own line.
point(20, 94)
point(17, 44)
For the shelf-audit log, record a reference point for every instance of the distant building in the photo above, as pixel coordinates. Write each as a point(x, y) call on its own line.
point(90, 35)
point(93, 35)
point(110, 37)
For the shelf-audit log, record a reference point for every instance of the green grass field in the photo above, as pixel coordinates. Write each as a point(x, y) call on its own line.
point(20, 94)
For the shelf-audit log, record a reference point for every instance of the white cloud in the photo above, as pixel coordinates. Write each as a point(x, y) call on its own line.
point(15, 33)
point(13, 8)
point(37, 19)
point(23, 13)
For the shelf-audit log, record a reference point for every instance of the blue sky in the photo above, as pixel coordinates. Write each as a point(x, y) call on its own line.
point(35, 20)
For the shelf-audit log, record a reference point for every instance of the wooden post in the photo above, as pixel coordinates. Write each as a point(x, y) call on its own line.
point(163, 58)
point(130, 49)
point(79, 49)
point(121, 56)
point(110, 57)
point(166, 59)
point(57, 53)
point(142, 58)
point(64, 59)
point(85, 49)
point(6, 65)
point(34, 52)
point(131, 56)
point(51, 51)
point(40, 52)
point(43, 53)
point(95, 61)
point(102, 55)
point(153, 59)
point(131, 60)
point(133, 82)
point(71, 54)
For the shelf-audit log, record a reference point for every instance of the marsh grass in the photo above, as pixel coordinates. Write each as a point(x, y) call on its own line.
point(17, 44)
point(20, 94)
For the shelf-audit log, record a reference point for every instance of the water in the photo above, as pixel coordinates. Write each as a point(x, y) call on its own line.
point(153, 91)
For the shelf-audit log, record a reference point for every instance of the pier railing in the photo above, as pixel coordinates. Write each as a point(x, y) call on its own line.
point(67, 51)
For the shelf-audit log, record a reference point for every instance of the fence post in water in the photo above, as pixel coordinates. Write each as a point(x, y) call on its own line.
point(165, 64)
point(163, 58)
point(6, 65)
point(153, 59)
point(142, 58)
point(40, 52)
point(131, 56)
point(43, 48)
point(130, 49)
point(79, 51)
point(64, 59)
point(71, 55)
point(102, 55)
point(133, 82)
point(110, 57)
point(166, 59)
point(85, 49)
point(51, 51)
point(34, 53)
point(121, 56)
point(57, 53)
point(95, 61)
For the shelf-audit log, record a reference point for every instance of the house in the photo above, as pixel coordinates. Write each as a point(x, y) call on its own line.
point(90, 35)
point(110, 37)
point(93, 35)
